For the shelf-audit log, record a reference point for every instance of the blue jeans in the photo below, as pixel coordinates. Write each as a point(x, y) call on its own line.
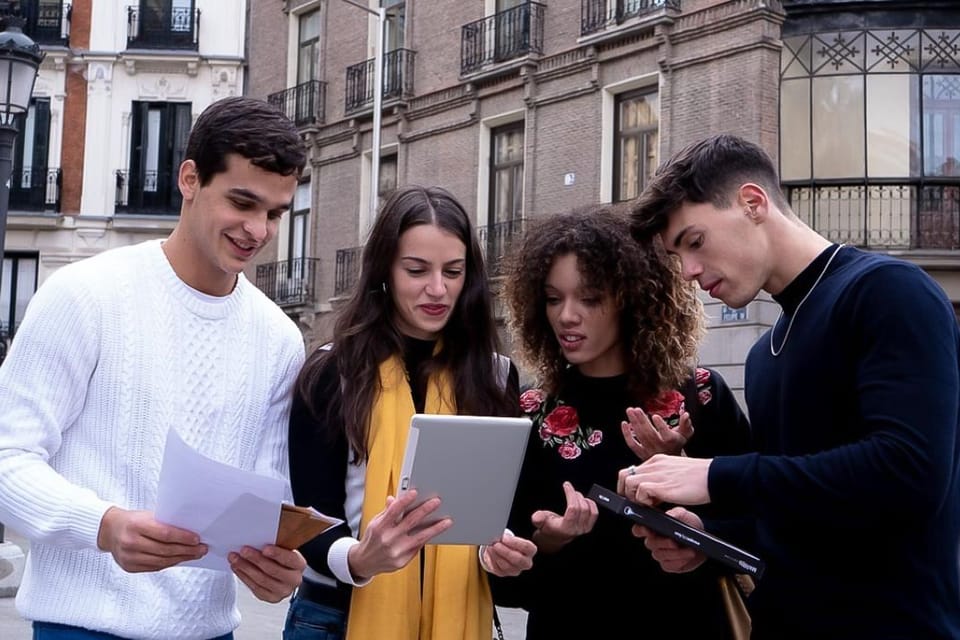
point(311, 621)
point(54, 631)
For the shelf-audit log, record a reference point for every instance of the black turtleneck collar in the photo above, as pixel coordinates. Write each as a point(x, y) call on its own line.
point(416, 353)
point(800, 286)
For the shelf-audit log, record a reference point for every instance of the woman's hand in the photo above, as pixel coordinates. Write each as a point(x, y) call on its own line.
point(508, 556)
point(395, 535)
point(553, 530)
point(647, 438)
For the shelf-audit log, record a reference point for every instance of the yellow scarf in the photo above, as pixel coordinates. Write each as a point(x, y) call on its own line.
point(456, 602)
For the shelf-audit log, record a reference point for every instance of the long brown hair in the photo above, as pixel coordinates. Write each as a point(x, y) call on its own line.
point(365, 334)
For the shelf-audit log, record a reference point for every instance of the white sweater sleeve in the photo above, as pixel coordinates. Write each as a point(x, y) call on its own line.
point(273, 458)
point(43, 384)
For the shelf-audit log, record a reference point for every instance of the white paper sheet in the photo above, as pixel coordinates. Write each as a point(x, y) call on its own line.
point(226, 506)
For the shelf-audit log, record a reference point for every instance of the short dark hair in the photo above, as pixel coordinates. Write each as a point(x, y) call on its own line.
point(709, 170)
point(251, 128)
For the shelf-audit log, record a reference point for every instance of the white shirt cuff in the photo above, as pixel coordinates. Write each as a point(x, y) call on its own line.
point(339, 566)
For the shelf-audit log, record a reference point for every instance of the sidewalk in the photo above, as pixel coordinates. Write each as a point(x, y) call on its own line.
point(260, 620)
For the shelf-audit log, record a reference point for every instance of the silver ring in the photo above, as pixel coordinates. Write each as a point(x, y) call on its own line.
point(631, 470)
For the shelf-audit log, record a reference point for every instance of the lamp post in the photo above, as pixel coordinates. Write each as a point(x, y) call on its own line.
point(381, 14)
point(20, 59)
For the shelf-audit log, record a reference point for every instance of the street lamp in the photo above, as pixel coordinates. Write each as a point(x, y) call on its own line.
point(20, 59)
point(381, 14)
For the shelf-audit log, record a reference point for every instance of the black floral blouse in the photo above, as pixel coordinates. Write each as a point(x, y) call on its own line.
point(576, 437)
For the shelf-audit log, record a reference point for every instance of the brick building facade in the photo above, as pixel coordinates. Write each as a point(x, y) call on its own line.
point(523, 109)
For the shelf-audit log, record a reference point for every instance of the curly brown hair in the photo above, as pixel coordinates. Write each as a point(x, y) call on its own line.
point(660, 315)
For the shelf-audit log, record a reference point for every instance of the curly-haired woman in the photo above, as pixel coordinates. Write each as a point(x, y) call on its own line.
point(611, 331)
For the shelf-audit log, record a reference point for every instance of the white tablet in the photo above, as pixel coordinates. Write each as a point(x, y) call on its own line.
point(473, 464)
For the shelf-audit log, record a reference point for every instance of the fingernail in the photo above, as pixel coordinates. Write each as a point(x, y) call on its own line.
point(232, 557)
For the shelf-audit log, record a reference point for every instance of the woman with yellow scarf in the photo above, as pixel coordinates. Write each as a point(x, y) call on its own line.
point(417, 335)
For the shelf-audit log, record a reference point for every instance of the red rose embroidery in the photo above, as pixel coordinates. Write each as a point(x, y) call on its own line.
point(568, 450)
point(668, 403)
point(563, 421)
point(705, 396)
point(530, 400)
point(595, 438)
point(544, 433)
point(702, 376)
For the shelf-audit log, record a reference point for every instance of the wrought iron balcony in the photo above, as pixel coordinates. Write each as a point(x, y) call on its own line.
point(47, 21)
point(290, 282)
point(497, 239)
point(347, 270)
point(597, 15)
point(397, 79)
point(303, 103)
point(503, 36)
point(901, 215)
point(173, 28)
point(152, 192)
point(35, 189)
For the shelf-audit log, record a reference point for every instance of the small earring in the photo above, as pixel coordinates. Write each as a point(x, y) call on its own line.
point(383, 285)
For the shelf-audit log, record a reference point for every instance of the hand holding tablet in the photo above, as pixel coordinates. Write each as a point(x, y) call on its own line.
point(472, 463)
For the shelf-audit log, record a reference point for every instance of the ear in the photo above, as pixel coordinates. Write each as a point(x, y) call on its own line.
point(188, 180)
point(754, 200)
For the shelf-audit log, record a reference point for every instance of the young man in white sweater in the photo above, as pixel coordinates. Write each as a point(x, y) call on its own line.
point(116, 350)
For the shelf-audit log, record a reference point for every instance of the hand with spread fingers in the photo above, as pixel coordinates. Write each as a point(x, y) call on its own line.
point(508, 556)
point(662, 478)
point(271, 573)
point(395, 536)
point(553, 531)
point(648, 436)
point(672, 557)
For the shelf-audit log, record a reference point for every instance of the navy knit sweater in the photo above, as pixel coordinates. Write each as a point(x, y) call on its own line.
point(853, 499)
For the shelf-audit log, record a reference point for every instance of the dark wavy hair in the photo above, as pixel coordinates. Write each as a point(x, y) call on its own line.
point(365, 334)
point(660, 315)
point(252, 128)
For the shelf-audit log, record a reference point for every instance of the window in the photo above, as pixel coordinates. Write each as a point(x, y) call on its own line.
point(17, 286)
point(505, 213)
point(28, 184)
point(506, 173)
point(308, 52)
point(870, 135)
point(158, 138)
point(729, 314)
point(386, 178)
point(297, 246)
point(636, 121)
point(393, 37)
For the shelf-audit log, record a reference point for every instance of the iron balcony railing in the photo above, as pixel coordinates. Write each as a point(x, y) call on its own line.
point(150, 192)
point(347, 270)
point(397, 79)
point(895, 215)
point(290, 282)
point(597, 15)
point(503, 36)
point(303, 103)
point(173, 28)
point(497, 240)
point(35, 189)
point(47, 21)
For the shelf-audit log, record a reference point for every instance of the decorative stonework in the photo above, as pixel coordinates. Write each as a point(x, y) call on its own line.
point(162, 88)
point(224, 80)
point(99, 76)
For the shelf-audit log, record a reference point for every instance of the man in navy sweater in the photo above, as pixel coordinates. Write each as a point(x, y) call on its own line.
point(853, 494)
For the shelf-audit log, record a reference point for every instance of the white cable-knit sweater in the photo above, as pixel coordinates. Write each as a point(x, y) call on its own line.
point(114, 351)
